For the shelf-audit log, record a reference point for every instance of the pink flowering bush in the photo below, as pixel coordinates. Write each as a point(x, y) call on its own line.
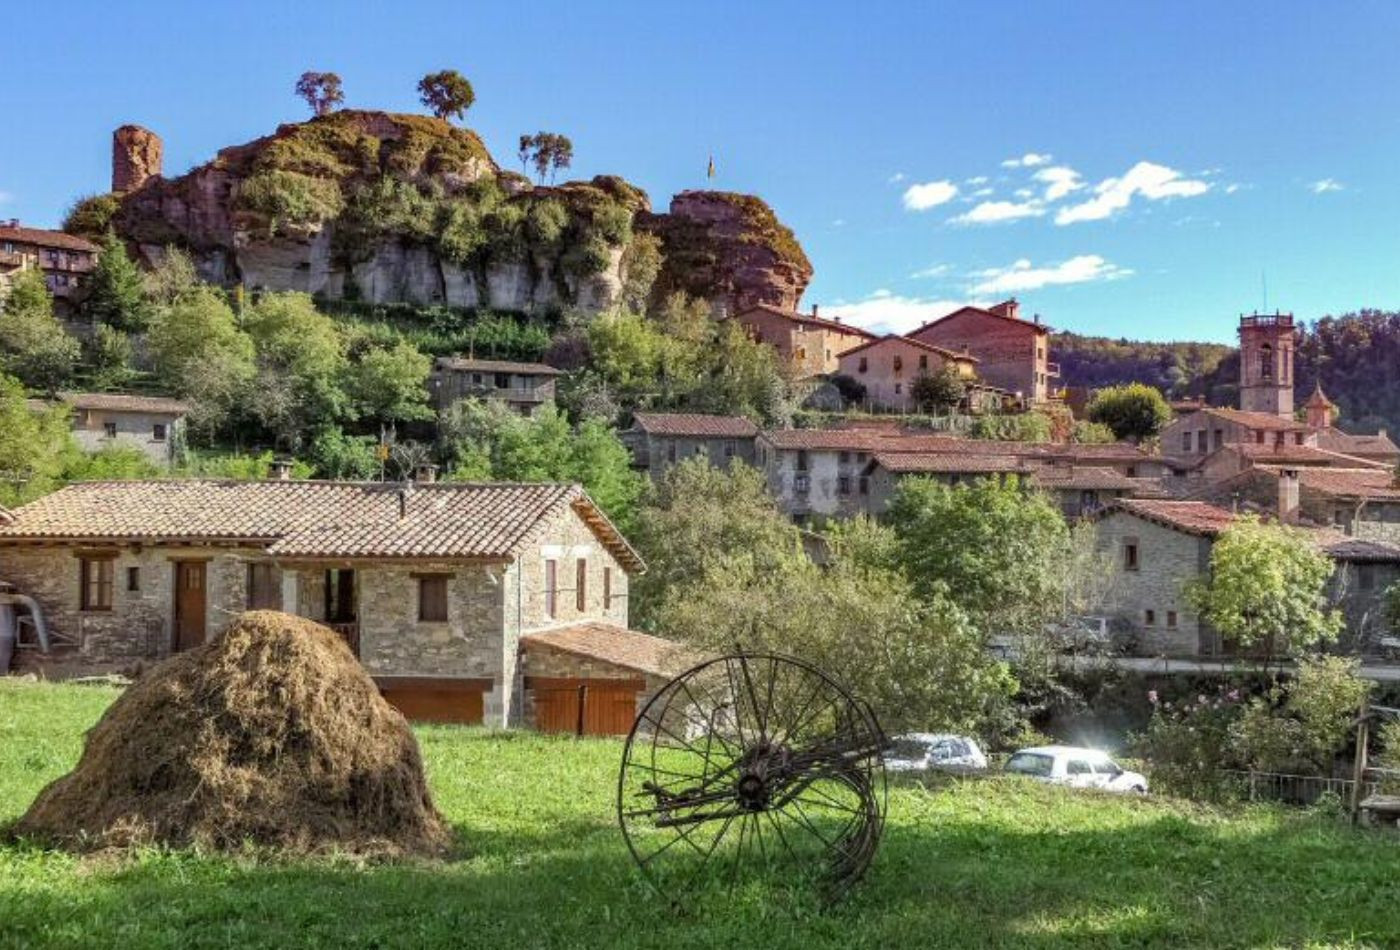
point(1190, 745)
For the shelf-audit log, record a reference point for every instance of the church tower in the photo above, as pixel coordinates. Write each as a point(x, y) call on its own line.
point(1266, 363)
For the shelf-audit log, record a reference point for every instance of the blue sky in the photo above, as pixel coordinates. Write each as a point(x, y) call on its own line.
point(1149, 165)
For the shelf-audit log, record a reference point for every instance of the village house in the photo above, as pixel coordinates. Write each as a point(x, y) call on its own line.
point(498, 603)
point(810, 343)
point(1012, 353)
point(888, 367)
point(659, 440)
point(524, 387)
point(821, 472)
point(154, 425)
point(63, 258)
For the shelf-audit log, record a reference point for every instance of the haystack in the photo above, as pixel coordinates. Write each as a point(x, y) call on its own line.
point(270, 734)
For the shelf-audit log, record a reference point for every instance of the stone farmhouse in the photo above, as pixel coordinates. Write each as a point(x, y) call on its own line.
point(154, 425)
point(496, 603)
point(524, 387)
point(810, 343)
point(659, 440)
point(63, 258)
point(888, 366)
point(1012, 353)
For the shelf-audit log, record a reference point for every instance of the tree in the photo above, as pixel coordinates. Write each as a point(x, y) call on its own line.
point(109, 352)
point(32, 445)
point(91, 216)
point(33, 345)
point(1267, 590)
point(938, 392)
point(447, 94)
point(321, 91)
point(116, 290)
point(173, 277)
point(199, 350)
point(1135, 411)
point(390, 384)
point(1302, 725)
point(993, 547)
point(339, 456)
point(301, 362)
point(548, 151)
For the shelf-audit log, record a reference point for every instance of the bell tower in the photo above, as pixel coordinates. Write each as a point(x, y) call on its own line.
point(1266, 363)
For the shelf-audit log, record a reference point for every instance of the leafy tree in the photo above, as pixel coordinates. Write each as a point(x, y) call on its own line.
point(938, 392)
point(173, 277)
point(641, 265)
point(447, 94)
point(33, 344)
point(321, 91)
point(1134, 411)
point(994, 548)
point(199, 350)
point(391, 383)
point(1302, 725)
point(110, 353)
point(337, 455)
point(246, 468)
point(91, 216)
point(116, 290)
point(1267, 590)
point(32, 445)
point(301, 362)
point(1012, 427)
point(110, 463)
point(548, 151)
point(1091, 433)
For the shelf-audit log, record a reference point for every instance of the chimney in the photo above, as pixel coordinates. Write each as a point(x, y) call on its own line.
point(1007, 308)
point(405, 492)
point(280, 470)
point(814, 310)
point(425, 474)
point(1288, 496)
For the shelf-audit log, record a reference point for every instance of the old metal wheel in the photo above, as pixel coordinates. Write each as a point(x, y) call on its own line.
point(752, 771)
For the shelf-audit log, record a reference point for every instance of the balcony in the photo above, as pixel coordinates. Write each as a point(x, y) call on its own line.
point(1267, 320)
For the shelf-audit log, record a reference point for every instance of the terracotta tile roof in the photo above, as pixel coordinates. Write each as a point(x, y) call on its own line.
point(616, 645)
point(122, 402)
point(1191, 517)
point(978, 311)
point(806, 319)
point(857, 440)
point(695, 424)
point(492, 521)
point(465, 364)
point(43, 238)
point(1375, 484)
point(1258, 420)
point(1296, 455)
point(1340, 547)
point(948, 463)
point(1086, 478)
point(5, 516)
point(1378, 446)
point(917, 344)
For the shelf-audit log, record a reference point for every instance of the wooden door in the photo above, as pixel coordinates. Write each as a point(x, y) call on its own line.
point(609, 710)
point(190, 604)
point(584, 707)
point(557, 709)
point(428, 704)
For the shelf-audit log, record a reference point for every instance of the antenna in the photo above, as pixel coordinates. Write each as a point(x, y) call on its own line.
point(1264, 283)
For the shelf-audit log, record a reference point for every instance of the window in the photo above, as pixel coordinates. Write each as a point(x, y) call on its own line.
point(843, 457)
point(801, 483)
point(1171, 619)
point(1366, 577)
point(432, 598)
point(1298, 439)
point(1077, 767)
point(607, 588)
point(923, 361)
point(861, 456)
point(730, 450)
point(1132, 471)
point(1219, 437)
point(1149, 617)
point(898, 363)
point(109, 429)
point(1266, 362)
point(1186, 442)
point(581, 584)
point(158, 432)
point(802, 460)
point(264, 587)
point(551, 606)
point(133, 579)
point(476, 379)
point(1259, 437)
point(843, 484)
point(864, 485)
point(801, 353)
point(864, 365)
point(670, 451)
point(1201, 440)
point(96, 591)
point(1130, 554)
point(898, 388)
point(503, 380)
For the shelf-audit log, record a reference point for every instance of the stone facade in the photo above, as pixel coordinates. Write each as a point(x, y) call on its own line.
point(1013, 353)
point(823, 482)
point(1146, 603)
point(810, 344)
point(543, 661)
point(1266, 364)
point(655, 453)
point(888, 367)
point(524, 387)
point(154, 434)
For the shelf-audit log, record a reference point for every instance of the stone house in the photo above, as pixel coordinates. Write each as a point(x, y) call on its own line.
point(887, 367)
point(821, 472)
point(659, 440)
point(810, 343)
point(154, 425)
point(63, 258)
point(524, 387)
point(453, 596)
point(1197, 434)
point(1012, 353)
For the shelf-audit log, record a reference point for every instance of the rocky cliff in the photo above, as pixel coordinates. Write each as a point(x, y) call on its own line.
point(385, 207)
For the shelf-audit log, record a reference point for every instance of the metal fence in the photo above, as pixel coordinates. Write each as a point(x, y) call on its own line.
point(1301, 790)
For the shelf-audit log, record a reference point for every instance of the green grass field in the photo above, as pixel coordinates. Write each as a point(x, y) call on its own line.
point(977, 863)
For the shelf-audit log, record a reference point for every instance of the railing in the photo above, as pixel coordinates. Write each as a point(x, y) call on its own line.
point(1302, 790)
point(350, 633)
point(1267, 320)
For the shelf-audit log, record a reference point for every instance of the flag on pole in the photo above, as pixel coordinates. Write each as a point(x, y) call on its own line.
point(710, 172)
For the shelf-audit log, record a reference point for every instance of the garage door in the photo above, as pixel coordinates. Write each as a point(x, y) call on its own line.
point(584, 707)
point(430, 699)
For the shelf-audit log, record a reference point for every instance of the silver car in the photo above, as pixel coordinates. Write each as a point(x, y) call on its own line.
point(924, 751)
point(1076, 767)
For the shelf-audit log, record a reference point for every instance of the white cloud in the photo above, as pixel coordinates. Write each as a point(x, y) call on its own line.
point(1028, 160)
point(936, 270)
point(1022, 275)
point(976, 180)
point(1325, 185)
point(1231, 188)
point(884, 312)
point(1146, 179)
point(929, 194)
point(1023, 193)
point(895, 179)
point(6, 197)
point(995, 212)
point(983, 192)
point(839, 222)
point(1059, 180)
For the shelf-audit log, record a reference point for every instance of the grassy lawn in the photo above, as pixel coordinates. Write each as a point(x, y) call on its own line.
point(990, 863)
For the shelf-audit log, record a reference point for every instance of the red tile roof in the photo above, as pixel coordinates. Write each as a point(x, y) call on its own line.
point(488, 521)
point(918, 344)
point(806, 319)
point(978, 311)
point(465, 364)
point(1372, 484)
point(42, 238)
point(857, 440)
point(950, 463)
point(1191, 517)
point(696, 425)
point(1087, 478)
point(616, 645)
point(1296, 455)
point(1378, 446)
point(1258, 420)
point(122, 402)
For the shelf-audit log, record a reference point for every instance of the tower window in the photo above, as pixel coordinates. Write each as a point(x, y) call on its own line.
point(1266, 362)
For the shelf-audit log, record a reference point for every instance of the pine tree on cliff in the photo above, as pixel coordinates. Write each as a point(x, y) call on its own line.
point(447, 94)
point(321, 91)
point(116, 293)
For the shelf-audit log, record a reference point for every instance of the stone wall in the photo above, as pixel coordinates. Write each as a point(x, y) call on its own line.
point(1167, 560)
point(656, 451)
point(832, 480)
point(133, 429)
point(888, 387)
point(545, 661)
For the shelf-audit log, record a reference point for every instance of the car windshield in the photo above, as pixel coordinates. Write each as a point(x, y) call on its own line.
point(908, 749)
point(1030, 763)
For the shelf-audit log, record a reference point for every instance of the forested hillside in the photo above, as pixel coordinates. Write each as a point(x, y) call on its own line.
point(1356, 356)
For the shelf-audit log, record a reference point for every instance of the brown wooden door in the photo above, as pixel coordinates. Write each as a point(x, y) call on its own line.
point(609, 710)
point(190, 604)
point(585, 707)
point(428, 704)
point(557, 709)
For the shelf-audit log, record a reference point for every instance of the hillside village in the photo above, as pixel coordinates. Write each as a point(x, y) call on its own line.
point(477, 587)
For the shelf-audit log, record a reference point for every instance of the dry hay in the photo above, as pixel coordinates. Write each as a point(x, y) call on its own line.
point(271, 734)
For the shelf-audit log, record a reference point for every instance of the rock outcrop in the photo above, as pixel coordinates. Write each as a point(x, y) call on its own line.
point(393, 208)
point(136, 158)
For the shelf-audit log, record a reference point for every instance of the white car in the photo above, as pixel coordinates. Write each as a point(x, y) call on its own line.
point(1076, 767)
point(921, 751)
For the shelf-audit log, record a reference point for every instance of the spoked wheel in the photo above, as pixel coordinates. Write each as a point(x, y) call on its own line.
point(752, 770)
